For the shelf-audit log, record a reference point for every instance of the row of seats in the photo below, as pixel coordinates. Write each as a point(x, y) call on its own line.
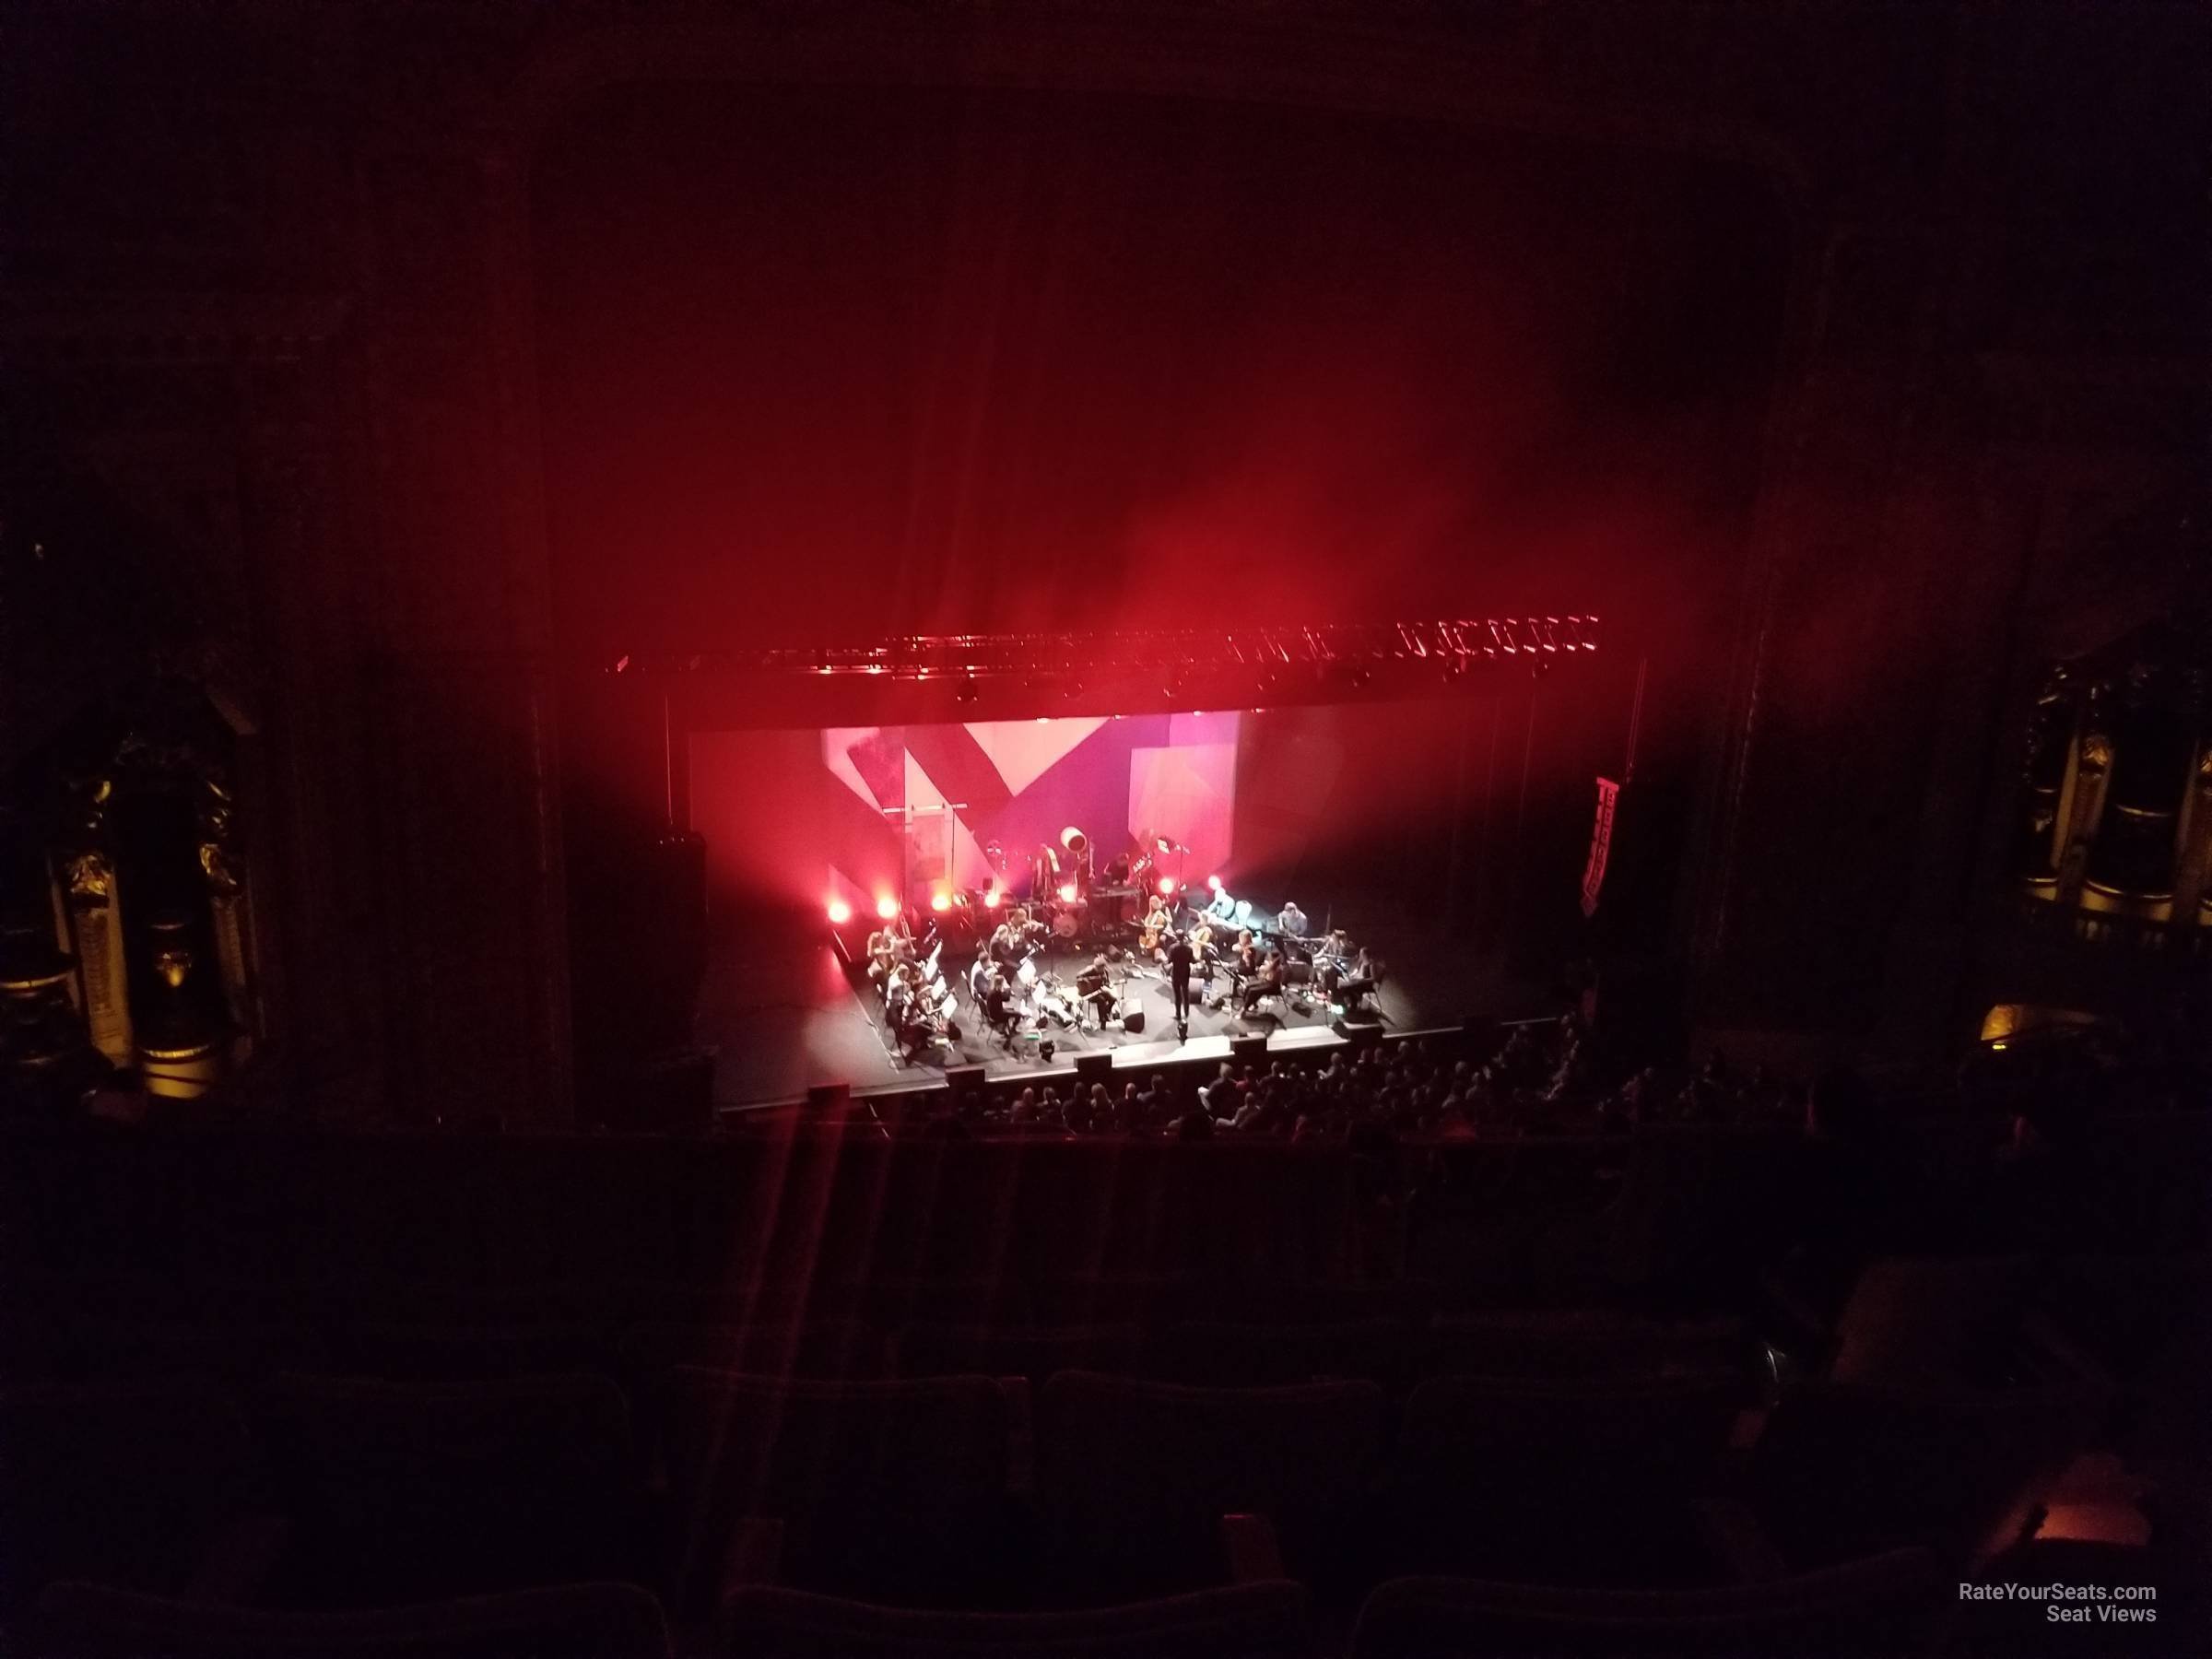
point(1905, 1321)
point(974, 1493)
point(1886, 1605)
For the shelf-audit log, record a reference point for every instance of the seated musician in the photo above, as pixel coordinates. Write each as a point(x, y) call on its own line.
point(1223, 907)
point(879, 957)
point(1245, 957)
point(1266, 982)
point(1359, 980)
point(999, 1001)
point(1094, 985)
point(1291, 921)
point(1157, 923)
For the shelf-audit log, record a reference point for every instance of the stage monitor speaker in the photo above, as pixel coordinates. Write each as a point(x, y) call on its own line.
point(966, 1079)
point(1359, 1033)
point(826, 1098)
point(1134, 1022)
point(1248, 1049)
point(1094, 1067)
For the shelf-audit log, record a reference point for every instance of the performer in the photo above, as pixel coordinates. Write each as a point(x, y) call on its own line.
point(1291, 919)
point(1264, 982)
point(1095, 985)
point(1223, 907)
point(1156, 925)
point(1181, 958)
point(998, 1001)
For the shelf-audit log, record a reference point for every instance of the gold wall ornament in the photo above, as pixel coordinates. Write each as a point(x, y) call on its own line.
point(2096, 752)
point(228, 903)
point(96, 930)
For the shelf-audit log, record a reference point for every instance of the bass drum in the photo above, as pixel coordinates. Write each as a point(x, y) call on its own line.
point(1067, 922)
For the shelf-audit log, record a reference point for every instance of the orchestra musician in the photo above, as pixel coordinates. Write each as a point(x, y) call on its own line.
point(1094, 985)
point(999, 1001)
point(1158, 922)
point(1291, 921)
point(1266, 982)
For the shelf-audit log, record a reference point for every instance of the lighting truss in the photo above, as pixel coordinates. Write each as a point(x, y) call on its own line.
point(1321, 649)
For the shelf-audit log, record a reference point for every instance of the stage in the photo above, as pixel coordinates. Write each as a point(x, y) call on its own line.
point(777, 1031)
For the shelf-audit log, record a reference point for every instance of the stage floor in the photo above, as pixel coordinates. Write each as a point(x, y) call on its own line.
point(781, 1014)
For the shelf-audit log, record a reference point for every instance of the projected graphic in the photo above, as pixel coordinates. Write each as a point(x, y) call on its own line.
point(911, 812)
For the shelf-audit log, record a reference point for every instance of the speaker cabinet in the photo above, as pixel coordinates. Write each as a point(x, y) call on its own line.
point(1248, 1049)
point(1134, 1022)
point(1094, 1067)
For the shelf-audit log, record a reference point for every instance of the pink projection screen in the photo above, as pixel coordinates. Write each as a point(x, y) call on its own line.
point(859, 812)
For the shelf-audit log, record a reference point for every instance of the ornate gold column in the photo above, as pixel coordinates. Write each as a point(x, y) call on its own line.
point(95, 909)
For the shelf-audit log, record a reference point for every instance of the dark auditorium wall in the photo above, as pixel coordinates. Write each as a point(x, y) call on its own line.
point(272, 374)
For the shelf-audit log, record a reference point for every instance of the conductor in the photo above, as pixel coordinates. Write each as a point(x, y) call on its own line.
point(1180, 960)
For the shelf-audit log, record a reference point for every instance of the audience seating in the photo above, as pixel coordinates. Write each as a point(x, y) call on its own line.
point(577, 1621)
point(1217, 1391)
point(1030, 1352)
point(1261, 1620)
point(893, 1491)
point(1934, 1323)
point(1583, 1345)
point(1133, 1477)
point(1560, 1482)
point(1842, 1471)
point(1881, 1607)
point(1225, 1355)
point(409, 1491)
point(154, 1486)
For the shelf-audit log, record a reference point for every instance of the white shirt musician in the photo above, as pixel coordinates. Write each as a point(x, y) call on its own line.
point(1292, 921)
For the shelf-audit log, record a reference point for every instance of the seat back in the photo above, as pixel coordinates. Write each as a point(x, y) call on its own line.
point(1133, 1477)
point(1245, 1621)
point(571, 1621)
point(1034, 1352)
point(119, 1481)
point(1219, 1354)
point(1915, 1323)
point(1559, 1480)
point(412, 1490)
point(1842, 1471)
point(1582, 1345)
point(1883, 1605)
point(883, 1489)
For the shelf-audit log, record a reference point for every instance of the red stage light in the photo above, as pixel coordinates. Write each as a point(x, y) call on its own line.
point(992, 898)
point(1214, 882)
point(1067, 892)
point(886, 907)
point(1167, 885)
point(840, 912)
point(940, 901)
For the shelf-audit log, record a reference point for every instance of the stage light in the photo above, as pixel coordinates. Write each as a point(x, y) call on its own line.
point(1067, 892)
point(886, 907)
point(840, 912)
point(994, 899)
point(1167, 885)
point(940, 901)
point(1214, 882)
